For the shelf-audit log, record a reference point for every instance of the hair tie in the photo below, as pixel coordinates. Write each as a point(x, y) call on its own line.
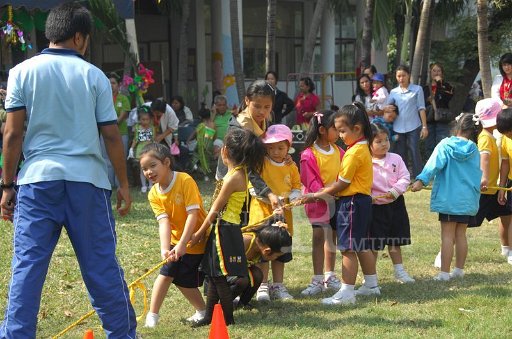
point(476, 119)
point(457, 118)
point(318, 116)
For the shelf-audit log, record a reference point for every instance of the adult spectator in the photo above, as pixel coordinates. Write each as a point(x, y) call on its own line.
point(411, 122)
point(370, 71)
point(122, 107)
point(283, 105)
point(165, 119)
point(364, 91)
point(63, 182)
point(502, 86)
point(437, 98)
point(183, 113)
point(306, 103)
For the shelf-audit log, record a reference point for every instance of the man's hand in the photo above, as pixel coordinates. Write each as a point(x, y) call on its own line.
point(7, 203)
point(123, 194)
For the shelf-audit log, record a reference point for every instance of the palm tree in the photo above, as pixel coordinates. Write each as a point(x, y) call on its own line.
point(235, 45)
point(183, 49)
point(421, 41)
point(483, 47)
point(404, 53)
point(270, 52)
point(309, 44)
point(366, 50)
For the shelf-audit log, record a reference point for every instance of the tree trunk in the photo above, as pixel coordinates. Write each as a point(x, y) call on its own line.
point(237, 54)
point(421, 41)
point(309, 44)
point(468, 73)
point(270, 51)
point(366, 52)
point(426, 53)
point(483, 47)
point(183, 49)
point(404, 56)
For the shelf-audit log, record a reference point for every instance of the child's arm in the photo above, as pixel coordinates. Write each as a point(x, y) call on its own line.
point(230, 185)
point(164, 230)
point(505, 167)
point(484, 166)
point(181, 247)
point(435, 163)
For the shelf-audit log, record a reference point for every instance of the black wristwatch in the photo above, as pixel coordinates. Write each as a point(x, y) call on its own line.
point(3, 185)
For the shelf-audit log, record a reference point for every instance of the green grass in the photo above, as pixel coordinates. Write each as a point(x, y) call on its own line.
point(476, 306)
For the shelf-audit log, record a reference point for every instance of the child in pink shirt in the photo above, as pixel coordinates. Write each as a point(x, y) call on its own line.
point(390, 221)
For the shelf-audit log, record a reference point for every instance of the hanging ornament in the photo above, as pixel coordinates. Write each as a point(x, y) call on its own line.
point(12, 34)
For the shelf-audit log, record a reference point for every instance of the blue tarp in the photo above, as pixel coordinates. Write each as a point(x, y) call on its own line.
point(124, 7)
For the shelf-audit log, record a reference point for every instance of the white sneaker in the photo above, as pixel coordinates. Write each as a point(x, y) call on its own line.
point(262, 294)
point(143, 189)
point(442, 277)
point(332, 283)
point(340, 298)
point(151, 320)
point(509, 258)
point(437, 260)
point(365, 290)
point(403, 277)
point(315, 287)
point(280, 292)
point(199, 315)
point(456, 274)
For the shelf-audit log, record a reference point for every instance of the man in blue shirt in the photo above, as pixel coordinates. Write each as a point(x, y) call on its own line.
point(65, 103)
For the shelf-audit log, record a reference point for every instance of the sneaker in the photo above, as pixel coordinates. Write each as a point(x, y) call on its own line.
point(365, 290)
point(442, 277)
point(236, 301)
point(456, 274)
point(196, 316)
point(262, 294)
point(151, 320)
point(509, 258)
point(143, 189)
point(403, 277)
point(315, 287)
point(340, 298)
point(280, 292)
point(332, 283)
point(437, 261)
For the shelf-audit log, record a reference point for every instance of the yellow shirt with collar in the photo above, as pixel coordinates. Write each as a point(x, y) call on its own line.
point(487, 145)
point(357, 170)
point(506, 153)
point(174, 203)
point(281, 179)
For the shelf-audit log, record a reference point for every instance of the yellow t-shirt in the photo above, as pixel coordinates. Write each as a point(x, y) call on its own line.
point(506, 153)
point(487, 145)
point(329, 163)
point(357, 170)
point(175, 202)
point(281, 179)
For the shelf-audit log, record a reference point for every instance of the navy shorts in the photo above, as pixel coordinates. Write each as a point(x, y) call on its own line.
point(353, 223)
point(390, 225)
point(461, 219)
point(185, 272)
point(490, 209)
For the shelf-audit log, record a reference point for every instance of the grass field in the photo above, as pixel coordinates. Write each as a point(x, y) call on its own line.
point(477, 306)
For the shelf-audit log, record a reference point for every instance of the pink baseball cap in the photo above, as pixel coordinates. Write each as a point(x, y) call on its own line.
point(276, 133)
point(487, 110)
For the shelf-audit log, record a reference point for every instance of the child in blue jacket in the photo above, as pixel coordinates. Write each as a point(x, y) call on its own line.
point(454, 166)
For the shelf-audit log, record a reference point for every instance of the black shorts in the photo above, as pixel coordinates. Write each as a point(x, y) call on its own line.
point(353, 219)
point(185, 272)
point(390, 225)
point(490, 209)
point(461, 219)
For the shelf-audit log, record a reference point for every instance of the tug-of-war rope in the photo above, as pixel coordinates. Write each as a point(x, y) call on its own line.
point(138, 284)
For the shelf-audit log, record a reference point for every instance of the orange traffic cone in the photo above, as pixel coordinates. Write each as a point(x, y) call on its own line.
point(89, 334)
point(218, 328)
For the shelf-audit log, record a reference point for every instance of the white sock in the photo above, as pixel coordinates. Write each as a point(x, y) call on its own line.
point(457, 270)
point(318, 277)
point(444, 275)
point(277, 284)
point(347, 288)
point(329, 274)
point(398, 268)
point(505, 250)
point(202, 313)
point(370, 280)
point(264, 285)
